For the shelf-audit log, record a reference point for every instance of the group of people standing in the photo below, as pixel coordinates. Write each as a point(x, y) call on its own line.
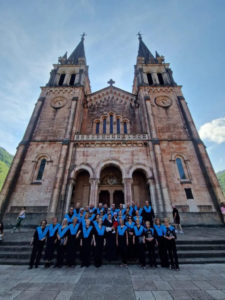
point(125, 232)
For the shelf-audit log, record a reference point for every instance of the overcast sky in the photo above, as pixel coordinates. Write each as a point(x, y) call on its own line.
point(190, 34)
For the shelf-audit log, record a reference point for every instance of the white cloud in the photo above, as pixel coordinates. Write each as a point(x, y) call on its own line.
point(213, 131)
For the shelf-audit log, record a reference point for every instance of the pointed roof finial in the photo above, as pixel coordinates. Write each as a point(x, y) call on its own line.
point(144, 52)
point(139, 36)
point(82, 36)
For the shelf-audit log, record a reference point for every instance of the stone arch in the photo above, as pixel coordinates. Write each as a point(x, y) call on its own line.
point(80, 168)
point(110, 162)
point(147, 171)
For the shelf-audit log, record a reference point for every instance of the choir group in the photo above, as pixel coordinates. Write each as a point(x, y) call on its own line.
point(124, 232)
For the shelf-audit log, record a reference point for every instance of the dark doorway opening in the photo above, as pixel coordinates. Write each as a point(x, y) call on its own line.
point(104, 198)
point(118, 197)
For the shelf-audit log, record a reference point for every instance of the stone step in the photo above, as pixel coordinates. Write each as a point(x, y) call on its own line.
point(181, 254)
point(214, 260)
point(200, 242)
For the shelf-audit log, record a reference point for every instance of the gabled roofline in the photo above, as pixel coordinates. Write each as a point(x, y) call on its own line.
point(112, 87)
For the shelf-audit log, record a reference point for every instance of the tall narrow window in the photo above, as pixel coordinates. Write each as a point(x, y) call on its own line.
point(72, 79)
point(118, 126)
point(161, 81)
point(111, 123)
point(61, 79)
point(189, 194)
point(180, 168)
point(125, 127)
point(97, 127)
point(150, 81)
point(104, 126)
point(41, 169)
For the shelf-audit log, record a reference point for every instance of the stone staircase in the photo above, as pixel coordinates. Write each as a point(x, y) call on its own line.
point(189, 252)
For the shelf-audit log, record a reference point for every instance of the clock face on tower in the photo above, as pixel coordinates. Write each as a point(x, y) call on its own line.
point(163, 101)
point(58, 102)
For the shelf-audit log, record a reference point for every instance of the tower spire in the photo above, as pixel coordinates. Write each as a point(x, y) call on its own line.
point(78, 52)
point(144, 52)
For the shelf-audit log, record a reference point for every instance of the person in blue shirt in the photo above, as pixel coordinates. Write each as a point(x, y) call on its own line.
point(38, 242)
point(70, 215)
point(99, 233)
point(138, 216)
point(159, 234)
point(170, 243)
point(150, 243)
point(122, 242)
point(51, 240)
point(139, 241)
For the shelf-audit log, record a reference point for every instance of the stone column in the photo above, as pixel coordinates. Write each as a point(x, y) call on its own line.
point(69, 194)
point(127, 190)
point(165, 78)
point(152, 191)
point(93, 191)
point(111, 192)
point(67, 79)
point(155, 78)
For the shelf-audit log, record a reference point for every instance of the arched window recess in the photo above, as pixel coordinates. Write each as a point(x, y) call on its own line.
point(40, 167)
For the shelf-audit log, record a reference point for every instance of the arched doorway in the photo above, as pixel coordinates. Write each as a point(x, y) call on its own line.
point(111, 184)
point(140, 188)
point(81, 189)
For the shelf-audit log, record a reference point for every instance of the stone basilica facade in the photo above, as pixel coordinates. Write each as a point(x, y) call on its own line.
point(112, 146)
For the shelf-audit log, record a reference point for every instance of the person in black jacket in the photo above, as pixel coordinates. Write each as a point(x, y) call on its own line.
point(51, 240)
point(38, 242)
point(148, 213)
point(99, 242)
point(170, 243)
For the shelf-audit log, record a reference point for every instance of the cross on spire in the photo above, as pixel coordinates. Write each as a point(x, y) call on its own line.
point(83, 35)
point(111, 82)
point(139, 36)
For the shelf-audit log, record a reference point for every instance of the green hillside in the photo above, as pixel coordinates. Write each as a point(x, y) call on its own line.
point(221, 177)
point(5, 162)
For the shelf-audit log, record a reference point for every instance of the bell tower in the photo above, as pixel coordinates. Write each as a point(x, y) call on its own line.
point(38, 176)
point(183, 173)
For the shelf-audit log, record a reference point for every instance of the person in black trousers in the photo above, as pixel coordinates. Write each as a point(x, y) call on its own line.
point(87, 239)
point(122, 241)
point(170, 243)
point(38, 242)
point(99, 242)
point(110, 247)
point(72, 242)
point(150, 244)
point(139, 241)
point(159, 234)
point(62, 238)
point(51, 240)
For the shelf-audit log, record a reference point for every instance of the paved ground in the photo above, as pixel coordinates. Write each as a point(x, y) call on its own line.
point(190, 233)
point(113, 282)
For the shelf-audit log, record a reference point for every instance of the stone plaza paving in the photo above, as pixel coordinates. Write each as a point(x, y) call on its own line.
point(113, 282)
